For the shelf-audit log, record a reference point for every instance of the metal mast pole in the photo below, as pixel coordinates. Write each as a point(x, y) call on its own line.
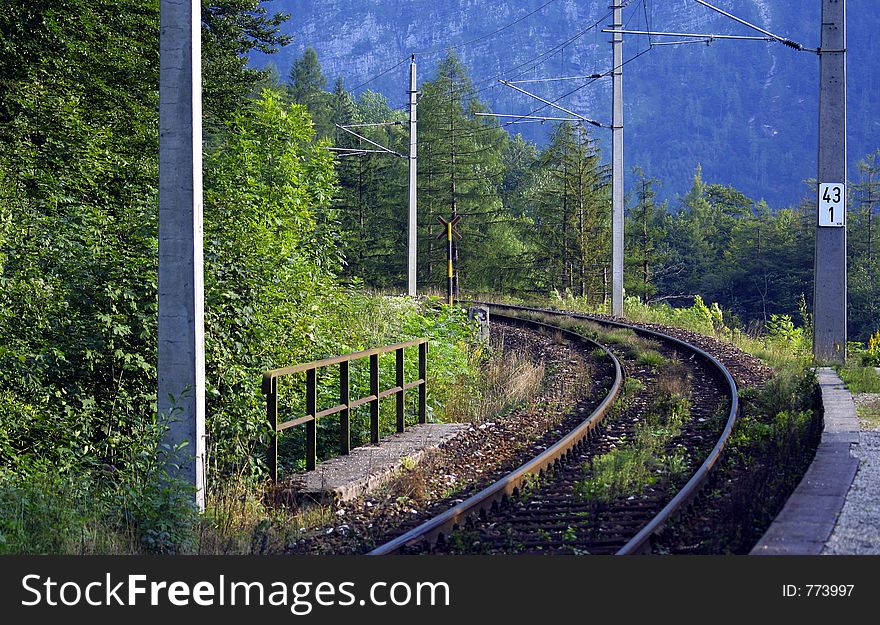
point(617, 164)
point(413, 182)
point(829, 295)
point(181, 333)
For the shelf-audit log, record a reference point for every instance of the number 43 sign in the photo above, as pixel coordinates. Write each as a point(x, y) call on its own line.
point(832, 204)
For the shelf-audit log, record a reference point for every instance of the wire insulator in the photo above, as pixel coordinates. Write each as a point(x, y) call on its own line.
point(792, 44)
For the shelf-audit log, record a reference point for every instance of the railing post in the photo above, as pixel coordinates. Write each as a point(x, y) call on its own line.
point(400, 396)
point(311, 426)
point(345, 415)
point(272, 415)
point(374, 404)
point(423, 375)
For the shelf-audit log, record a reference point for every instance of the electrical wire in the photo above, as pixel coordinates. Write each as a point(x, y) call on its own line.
point(457, 46)
point(538, 60)
point(486, 36)
point(534, 62)
point(504, 125)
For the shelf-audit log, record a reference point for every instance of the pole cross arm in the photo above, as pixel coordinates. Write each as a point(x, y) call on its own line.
point(549, 103)
point(382, 148)
point(653, 33)
point(783, 40)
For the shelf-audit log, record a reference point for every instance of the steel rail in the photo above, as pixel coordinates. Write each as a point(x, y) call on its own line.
point(441, 524)
point(640, 543)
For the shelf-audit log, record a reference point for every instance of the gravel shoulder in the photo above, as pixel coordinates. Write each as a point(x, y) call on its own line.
point(857, 531)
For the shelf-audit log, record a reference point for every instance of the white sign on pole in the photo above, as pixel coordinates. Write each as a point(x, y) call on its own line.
point(832, 204)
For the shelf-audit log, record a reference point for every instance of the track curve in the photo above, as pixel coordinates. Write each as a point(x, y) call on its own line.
point(430, 531)
point(504, 487)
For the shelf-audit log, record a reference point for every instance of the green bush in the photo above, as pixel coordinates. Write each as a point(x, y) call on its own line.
point(860, 379)
point(870, 357)
point(41, 511)
point(372, 321)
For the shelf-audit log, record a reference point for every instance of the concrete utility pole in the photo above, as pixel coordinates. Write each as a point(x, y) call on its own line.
point(617, 164)
point(181, 394)
point(413, 182)
point(829, 295)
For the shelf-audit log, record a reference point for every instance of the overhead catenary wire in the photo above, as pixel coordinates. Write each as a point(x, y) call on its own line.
point(532, 63)
point(556, 119)
point(699, 35)
point(380, 74)
point(557, 79)
point(370, 141)
point(434, 51)
point(707, 41)
point(487, 129)
point(592, 79)
point(486, 36)
point(583, 77)
point(553, 104)
point(575, 90)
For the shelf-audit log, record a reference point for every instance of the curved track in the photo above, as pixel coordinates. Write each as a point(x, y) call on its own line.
point(488, 501)
point(513, 481)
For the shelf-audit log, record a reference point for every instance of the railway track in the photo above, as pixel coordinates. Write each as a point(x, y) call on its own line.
point(543, 506)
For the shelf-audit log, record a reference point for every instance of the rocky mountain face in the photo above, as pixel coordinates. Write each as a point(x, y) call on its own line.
point(747, 111)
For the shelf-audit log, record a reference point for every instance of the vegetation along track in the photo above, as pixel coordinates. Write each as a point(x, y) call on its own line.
point(610, 484)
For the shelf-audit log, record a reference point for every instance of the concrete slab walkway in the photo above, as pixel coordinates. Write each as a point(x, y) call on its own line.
point(369, 467)
point(811, 513)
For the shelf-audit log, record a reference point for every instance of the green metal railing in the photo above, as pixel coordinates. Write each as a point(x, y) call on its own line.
point(346, 403)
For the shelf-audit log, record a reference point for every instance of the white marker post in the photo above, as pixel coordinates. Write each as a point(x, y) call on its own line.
point(181, 397)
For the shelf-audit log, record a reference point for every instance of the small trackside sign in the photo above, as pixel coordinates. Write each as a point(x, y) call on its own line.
point(832, 204)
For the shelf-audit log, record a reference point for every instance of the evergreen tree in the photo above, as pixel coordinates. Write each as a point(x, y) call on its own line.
point(371, 199)
point(645, 239)
point(306, 85)
point(343, 108)
point(571, 217)
point(460, 171)
point(230, 30)
point(864, 265)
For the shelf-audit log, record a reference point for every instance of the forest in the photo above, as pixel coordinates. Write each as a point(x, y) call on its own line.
point(304, 248)
point(536, 219)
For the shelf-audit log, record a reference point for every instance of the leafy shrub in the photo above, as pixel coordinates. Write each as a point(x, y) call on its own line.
point(781, 330)
point(871, 356)
point(41, 511)
point(860, 379)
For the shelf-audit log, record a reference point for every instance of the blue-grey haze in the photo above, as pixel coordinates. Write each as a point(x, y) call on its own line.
point(746, 111)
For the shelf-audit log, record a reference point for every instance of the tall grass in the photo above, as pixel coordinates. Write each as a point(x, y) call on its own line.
point(507, 380)
point(860, 379)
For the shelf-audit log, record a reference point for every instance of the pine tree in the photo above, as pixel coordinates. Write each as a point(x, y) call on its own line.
point(571, 216)
point(305, 85)
point(645, 239)
point(230, 30)
point(371, 199)
point(460, 171)
point(864, 267)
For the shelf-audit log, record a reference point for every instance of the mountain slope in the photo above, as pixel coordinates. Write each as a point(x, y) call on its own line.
point(746, 111)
